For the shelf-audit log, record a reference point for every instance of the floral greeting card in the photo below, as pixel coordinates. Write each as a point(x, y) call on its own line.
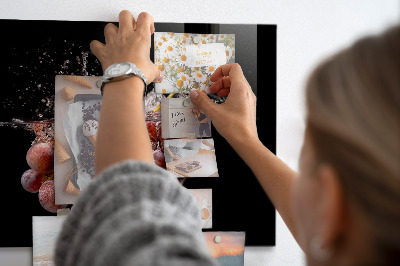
point(188, 60)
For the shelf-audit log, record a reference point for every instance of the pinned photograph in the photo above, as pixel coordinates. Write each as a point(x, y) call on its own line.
point(77, 114)
point(188, 60)
point(45, 230)
point(226, 247)
point(204, 199)
point(180, 118)
point(191, 157)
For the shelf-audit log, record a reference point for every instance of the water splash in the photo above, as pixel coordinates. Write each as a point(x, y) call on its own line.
point(43, 131)
point(31, 82)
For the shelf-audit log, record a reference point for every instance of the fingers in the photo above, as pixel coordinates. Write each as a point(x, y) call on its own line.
point(126, 22)
point(96, 47)
point(110, 31)
point(157, 75)
point(225, 82)
point(232, 70)
point(223, 92)
point(145, 23)
point(203, 102)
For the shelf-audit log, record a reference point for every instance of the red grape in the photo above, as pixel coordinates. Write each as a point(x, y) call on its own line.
point(47, 197)
point(31, 180)
point(159, 159)
point(40, 157)
point(151, 129)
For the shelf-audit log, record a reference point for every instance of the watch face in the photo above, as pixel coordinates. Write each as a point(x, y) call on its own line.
point(117, 69)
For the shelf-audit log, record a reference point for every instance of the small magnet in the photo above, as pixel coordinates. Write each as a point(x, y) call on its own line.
point(217, 239)
point(187, 102)
point(98, 83)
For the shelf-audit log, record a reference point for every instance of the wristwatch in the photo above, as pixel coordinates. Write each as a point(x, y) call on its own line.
point(120, 71)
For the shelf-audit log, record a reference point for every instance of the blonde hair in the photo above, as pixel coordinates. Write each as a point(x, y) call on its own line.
point(353, 120)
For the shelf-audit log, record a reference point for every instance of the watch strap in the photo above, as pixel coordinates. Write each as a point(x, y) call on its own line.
point(135, 71)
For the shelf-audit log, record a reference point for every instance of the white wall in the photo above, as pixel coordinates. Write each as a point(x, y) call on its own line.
point(307, 32)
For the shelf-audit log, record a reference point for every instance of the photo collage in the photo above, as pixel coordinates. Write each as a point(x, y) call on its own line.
point(179, 131)
point(50, 116)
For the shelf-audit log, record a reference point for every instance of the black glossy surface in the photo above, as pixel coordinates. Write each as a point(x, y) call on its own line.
point(239, 203)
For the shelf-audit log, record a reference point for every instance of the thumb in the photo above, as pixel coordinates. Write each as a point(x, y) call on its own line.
point(202, 101)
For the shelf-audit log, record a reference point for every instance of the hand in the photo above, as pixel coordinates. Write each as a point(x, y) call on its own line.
point(130, 42)
point(176, 157)
point(235, 119)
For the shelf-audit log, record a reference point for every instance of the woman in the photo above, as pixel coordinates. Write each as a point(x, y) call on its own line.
point(343, 208)
point(201, 117)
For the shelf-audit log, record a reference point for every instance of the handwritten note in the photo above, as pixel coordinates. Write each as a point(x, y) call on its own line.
point(178, 120)
point(210, 54)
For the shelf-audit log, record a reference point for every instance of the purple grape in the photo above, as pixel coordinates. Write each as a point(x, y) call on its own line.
point(40, 157)
point(31, 180)
point(47, 197)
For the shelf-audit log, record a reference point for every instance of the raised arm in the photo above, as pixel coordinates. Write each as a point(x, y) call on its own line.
point(122, 131)
point(235, 120)
point(134, 213)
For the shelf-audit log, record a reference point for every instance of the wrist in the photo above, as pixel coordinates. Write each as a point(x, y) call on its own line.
point(129, 86)
point(240, 141)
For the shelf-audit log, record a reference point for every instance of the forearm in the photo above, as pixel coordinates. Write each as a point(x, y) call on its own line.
point(122, 133)
point(275, 177)
point(169, 151)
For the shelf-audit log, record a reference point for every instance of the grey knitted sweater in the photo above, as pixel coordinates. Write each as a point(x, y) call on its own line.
point(134, 213)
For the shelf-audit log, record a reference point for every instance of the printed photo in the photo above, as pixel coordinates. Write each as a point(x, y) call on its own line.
point(188, 60)
point(77, 112)
point(45, 230)
point(226, 247)
point(180, 118)
point(191, 157)
point(152, 108)
point(204, 199)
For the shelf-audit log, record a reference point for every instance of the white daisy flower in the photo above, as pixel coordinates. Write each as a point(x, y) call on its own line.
point(180, 83)
point(211, 69)
point(199, 76)
point(168, 50)
point(211, 38)
point(204, 88)
point(203, 39)
point(163, 38)
point(184, 77)
point(158, 43)
point(181, 56)
point(228, 51)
